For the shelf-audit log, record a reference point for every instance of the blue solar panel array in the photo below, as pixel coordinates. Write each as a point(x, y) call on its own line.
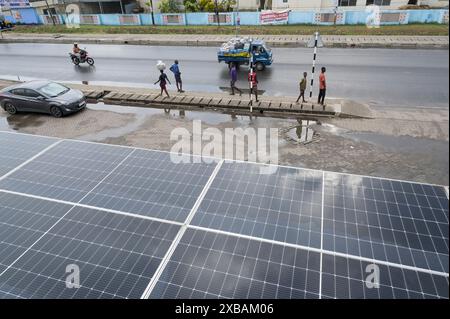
point(136, 225)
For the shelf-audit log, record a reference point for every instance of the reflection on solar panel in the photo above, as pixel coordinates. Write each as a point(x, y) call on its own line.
point(16, 149)
point(149, 183)
point(22, 221)
point(138, 225)
point(210, 265)
point(116, 256)
point(68, 171)
point(399, 222)
point(285, 206)
point(346, 278)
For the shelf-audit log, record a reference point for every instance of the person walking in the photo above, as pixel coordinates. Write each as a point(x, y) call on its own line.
point(253, 81)
point(302, 87)
point(233, 76)
point(322, 87)
point(163, 79)
point(176, 72)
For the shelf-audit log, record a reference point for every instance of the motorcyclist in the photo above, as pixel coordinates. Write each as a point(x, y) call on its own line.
point(78, 52)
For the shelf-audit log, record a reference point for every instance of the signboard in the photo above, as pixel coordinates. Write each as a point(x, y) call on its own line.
point(274, 17)
point(7, 4)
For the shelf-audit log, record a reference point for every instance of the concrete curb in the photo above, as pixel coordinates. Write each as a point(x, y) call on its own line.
point(403, 42)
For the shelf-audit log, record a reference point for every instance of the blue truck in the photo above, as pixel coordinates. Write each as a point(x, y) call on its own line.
point(239, 51)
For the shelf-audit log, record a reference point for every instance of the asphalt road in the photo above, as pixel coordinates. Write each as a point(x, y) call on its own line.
point(387, 77)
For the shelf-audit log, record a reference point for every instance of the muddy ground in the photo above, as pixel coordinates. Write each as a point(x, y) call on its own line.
point(409, 144)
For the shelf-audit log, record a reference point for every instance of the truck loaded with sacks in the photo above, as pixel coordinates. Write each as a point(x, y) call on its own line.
point(240, 51)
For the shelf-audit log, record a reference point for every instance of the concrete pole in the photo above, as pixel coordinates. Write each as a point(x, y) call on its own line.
point(251, 83)
point(313, 63)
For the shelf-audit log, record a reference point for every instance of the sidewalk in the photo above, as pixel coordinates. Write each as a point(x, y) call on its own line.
point(276, 106)
point(422, 42)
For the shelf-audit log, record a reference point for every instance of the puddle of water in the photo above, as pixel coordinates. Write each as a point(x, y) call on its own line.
point(20, 121)
point(396, 144)
point(302, 133)
point(406, 144)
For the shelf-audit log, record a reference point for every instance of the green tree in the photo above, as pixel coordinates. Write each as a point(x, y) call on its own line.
point(191, 5)
point(227, 5)
point(169, 6)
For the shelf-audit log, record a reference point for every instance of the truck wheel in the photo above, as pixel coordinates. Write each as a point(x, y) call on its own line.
point(260, 66)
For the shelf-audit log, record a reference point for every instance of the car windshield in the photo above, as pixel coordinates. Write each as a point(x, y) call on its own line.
point(53, 89)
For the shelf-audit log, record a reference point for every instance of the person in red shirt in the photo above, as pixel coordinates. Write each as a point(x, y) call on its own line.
point(322, 87)
point(253, 81)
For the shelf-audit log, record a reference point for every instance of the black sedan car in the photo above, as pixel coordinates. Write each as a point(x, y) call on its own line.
point(42, 97)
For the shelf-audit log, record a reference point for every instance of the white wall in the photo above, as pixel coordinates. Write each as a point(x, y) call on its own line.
point(328, 4)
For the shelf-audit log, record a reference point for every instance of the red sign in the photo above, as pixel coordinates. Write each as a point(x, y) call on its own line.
point(273, 17)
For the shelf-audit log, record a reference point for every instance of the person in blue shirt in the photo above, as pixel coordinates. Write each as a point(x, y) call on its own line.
point(233, 76)
point(176, 72)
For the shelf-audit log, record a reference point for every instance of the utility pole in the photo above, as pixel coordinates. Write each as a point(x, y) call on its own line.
point(50, 13)
point(314, 42)
point(251, 82)
point(238, 19)
point(336, 6)
point(217, 13)
point(151, 11)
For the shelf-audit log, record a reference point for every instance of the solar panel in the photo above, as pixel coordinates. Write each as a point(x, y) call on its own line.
point(345, 278)
point(212, 265)
point(16, 149)
point(292, 234)
point(285, 206)
point(399, 222)
point(68, 171)
point(116, 256)
point(22, 221)
point(150, 184)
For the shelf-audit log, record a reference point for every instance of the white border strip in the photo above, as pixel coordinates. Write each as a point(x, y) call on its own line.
point(106, 210)
point(30, 159)
point(176, 241)
point(321, 235)
point(232, 160)
point(321, 251)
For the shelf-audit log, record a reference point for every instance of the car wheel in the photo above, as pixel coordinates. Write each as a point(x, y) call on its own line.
point(10, 108)
point(56, 111)
point(260, 66)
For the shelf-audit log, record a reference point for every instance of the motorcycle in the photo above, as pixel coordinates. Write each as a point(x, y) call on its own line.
point(83, 57)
